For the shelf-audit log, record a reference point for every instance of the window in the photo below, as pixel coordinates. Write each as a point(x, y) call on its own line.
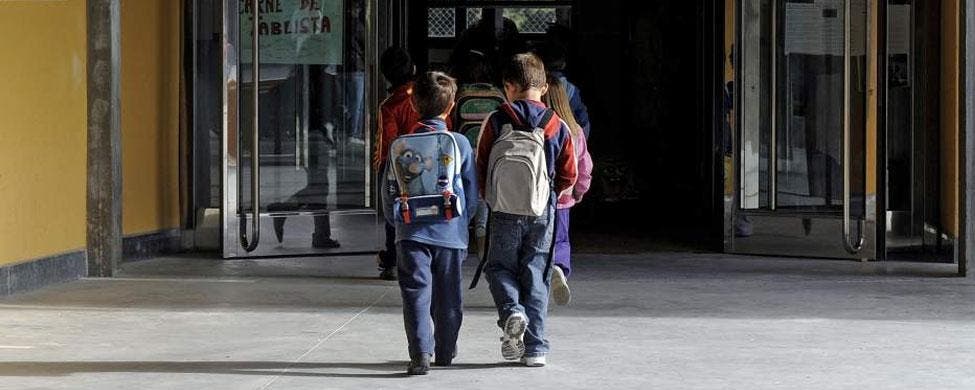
point(441, 22)
point(531, 20)
point(473, 16)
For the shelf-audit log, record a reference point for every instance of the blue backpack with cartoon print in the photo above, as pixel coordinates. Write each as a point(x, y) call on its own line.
point(424, 166)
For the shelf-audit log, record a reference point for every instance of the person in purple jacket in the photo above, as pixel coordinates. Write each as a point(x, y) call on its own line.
point(557, 99)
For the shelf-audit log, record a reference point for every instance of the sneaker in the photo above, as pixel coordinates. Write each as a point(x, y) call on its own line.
point(533, 361)
point(560, 287)
point(513, 341)
point(388, 274)
point(419, 365)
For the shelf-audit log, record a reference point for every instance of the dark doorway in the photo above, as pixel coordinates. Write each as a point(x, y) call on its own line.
point(650, 74)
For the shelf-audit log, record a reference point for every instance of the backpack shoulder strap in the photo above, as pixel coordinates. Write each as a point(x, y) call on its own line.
point(546, 118)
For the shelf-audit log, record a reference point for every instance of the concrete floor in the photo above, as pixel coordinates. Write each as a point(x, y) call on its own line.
point(651, 321)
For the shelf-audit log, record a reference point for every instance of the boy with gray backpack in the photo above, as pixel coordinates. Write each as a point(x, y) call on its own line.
point(524, 159)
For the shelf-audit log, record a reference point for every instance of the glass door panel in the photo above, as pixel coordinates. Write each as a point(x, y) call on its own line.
point(801, 148)
point(297, 103)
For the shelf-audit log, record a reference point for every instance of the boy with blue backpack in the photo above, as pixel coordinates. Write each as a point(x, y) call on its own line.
point(430, 193)
point(525, 158)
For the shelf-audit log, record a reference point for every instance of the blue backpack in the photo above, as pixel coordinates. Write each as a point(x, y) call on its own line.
point(424, 166)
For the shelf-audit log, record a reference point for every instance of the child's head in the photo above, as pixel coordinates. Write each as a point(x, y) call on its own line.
point(554, 56)
point(433, 95)
point(397, 66)
point(524, 77)
point(557, 98)
point(474, 67)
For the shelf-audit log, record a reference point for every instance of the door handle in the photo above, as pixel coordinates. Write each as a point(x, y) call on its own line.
point(251, 245)
point(856, 244)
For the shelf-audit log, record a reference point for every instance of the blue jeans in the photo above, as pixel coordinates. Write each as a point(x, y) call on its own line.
point(430, 282)
point(355, 102)
point(518, 251)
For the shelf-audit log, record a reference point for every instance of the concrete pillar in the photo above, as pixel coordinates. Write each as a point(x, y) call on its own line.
point(104, 245)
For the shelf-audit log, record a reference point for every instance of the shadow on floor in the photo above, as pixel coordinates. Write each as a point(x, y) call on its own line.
point(389, 369)
point(658, 284)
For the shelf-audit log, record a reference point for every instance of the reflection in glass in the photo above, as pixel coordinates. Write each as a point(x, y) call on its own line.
point(797, 103)
point(755, 91)
point(810, 144)
point(811, 112)
point(900, 134)
point(312, 145)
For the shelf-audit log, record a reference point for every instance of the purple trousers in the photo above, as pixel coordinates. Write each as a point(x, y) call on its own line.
point(562, 256)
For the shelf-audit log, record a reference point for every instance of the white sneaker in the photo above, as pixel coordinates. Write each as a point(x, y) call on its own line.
point(533, 361)
point(513, 341)
point(560, 287)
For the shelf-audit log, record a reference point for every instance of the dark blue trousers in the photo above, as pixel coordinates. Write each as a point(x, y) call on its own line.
point(387, 256)
point(430, 282)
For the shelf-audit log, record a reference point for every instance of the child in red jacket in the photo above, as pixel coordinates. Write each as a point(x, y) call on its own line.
point(396, 117)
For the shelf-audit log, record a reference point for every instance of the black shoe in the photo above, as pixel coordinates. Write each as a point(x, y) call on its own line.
point(444, 362)
point(388, 274)
point(323, 242)
point(279, 228)
point(278, 220)
point(419, 365)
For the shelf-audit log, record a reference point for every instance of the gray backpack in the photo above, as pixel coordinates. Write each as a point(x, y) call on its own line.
point(517, 174)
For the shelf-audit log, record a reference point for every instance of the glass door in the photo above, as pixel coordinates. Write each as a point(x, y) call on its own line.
point(800, 146)
point(297, 176)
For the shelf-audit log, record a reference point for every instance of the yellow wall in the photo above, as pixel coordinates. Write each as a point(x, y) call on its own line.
point(950, 29)
point(43, 136)
point(150, 115)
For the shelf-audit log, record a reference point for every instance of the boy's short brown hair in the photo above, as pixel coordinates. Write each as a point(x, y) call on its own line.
point(433, 93)
point(525, 70)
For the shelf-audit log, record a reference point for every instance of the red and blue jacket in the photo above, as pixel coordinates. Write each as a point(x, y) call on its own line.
point(559, 152)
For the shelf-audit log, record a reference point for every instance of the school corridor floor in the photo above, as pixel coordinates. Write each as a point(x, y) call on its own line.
point(650, 321)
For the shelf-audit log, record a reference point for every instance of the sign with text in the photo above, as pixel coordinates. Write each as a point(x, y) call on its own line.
point(293, 31)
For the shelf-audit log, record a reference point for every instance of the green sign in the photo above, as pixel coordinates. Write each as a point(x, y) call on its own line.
point(293, 31)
